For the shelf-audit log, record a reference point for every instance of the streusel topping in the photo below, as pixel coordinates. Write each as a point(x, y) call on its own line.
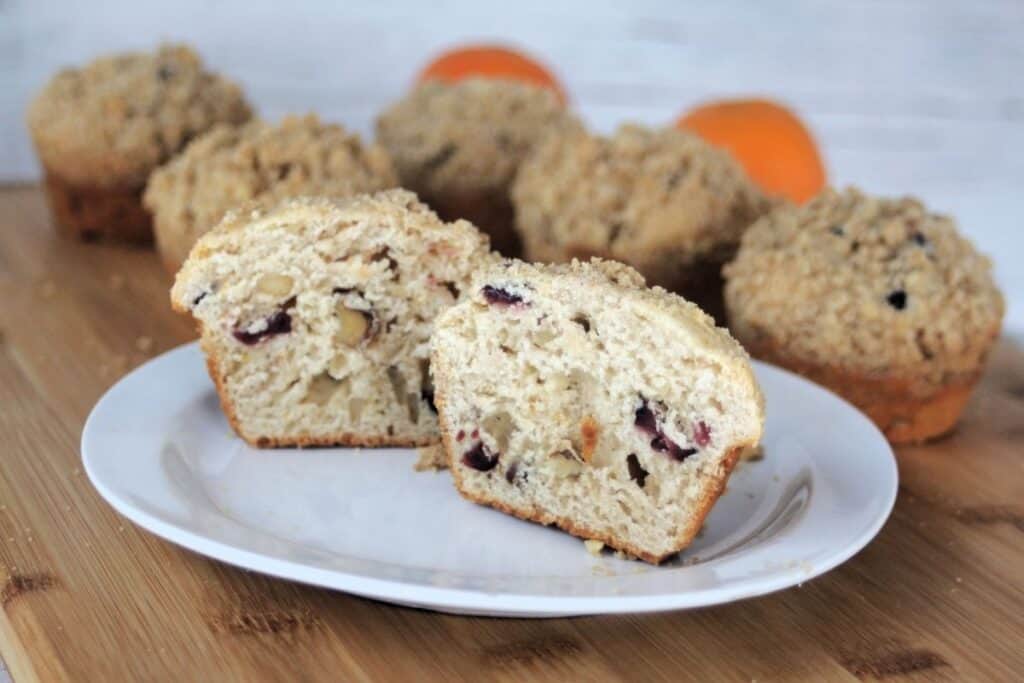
point(231, 166)
point(111, 122)
point(871, 285)
point(467, 136)
point(656, 199)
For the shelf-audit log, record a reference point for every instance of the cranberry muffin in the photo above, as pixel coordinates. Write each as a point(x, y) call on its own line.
point(662, 201)
point(315, 316)
point(878, 299)
point(554, 406)
point(101, 129)
point(259, 162)
point(459, 145)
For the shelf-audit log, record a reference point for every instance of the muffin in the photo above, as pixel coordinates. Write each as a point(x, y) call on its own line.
point(260, 162)
point(663, 201)
point(878, 299)
point(100, 130)
point(315, 316)
point(556, 407)
point(459, 145)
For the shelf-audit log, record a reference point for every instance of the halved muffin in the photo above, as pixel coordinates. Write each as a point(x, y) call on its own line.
point(315, 316)
point(573, 395)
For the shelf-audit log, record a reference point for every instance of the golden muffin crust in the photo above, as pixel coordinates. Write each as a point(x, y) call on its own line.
point(879, 288)
point(230, 166)
point(108, 124)
point(663, 201)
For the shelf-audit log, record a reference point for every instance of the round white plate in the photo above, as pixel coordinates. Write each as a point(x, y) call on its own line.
point(159, 450)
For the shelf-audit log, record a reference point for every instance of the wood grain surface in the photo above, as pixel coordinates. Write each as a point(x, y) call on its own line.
point(86, 596)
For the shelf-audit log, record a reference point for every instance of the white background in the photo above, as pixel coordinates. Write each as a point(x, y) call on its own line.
point(913, 96)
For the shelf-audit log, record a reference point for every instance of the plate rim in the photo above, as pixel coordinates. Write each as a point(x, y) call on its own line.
point(472, 601)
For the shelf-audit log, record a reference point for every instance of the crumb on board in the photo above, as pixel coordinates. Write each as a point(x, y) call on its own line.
point(144, 343)
point(753, 454)
point(431, 458)
point(116, 281)
point(594, 547)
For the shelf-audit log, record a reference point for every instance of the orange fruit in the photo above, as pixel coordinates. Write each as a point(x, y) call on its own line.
point(771, 143)
point(489, 61)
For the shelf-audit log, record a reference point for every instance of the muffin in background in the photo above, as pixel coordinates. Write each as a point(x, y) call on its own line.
point(101, 129)
point(261, 162)
point(663, 201)
point(877, 299)
point(459, 146)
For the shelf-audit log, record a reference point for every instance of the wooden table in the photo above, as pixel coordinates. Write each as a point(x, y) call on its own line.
point(939, 595)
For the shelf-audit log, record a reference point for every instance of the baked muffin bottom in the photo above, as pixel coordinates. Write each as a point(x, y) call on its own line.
point(91, 213)
point(894, 403)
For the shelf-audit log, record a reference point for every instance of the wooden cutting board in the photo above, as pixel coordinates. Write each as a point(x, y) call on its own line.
point(86, 596)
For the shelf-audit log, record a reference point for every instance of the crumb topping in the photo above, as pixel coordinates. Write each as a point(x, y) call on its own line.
point(112, 121)
point(258, 162)
point(869, 284)
point(656, 199)
point(467, 136)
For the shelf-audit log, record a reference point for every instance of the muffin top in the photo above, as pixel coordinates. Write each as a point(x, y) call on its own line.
point(873, 286)
point(469, 136)
point(656, 199)
point(111, 122)
point(230, 166)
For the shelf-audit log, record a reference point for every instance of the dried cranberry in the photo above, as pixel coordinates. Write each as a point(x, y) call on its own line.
point(701, 434)
point(897, 299)
point(510, 473)
point(279, 322)
point(480, 457)
point(461, 435)
point(647, 421)
point(636, 471)
point(501, 297)
point(663, 444)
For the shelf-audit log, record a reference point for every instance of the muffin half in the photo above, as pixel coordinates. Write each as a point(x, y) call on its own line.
point(572, 395)
point(315, 316)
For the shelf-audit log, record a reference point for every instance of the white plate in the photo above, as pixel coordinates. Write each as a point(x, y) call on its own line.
point(158, 449)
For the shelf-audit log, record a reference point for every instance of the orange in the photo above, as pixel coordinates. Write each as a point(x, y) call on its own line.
point(771, 143)
point(489, 61)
